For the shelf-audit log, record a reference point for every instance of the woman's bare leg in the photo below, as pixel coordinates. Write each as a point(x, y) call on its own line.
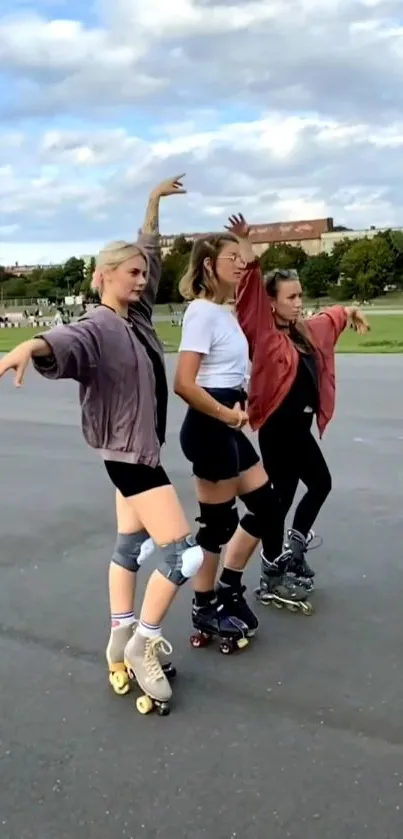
point(131, 540)
point(208, 492)
point(122, 581)
point(161, 515)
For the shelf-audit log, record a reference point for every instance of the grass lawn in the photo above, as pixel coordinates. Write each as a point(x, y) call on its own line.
point(386, 336)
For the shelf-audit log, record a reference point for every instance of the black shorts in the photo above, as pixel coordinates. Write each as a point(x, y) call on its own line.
point(134, 478)
point(216, 451)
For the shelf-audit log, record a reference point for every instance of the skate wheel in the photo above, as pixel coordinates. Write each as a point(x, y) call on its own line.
point(200, 640)
point(144, 704)
point(242, 643)
point(292, 607)
point(162, 709)
point(307, 609)
point(226, 648)
point(277, 604)
point(120, 682)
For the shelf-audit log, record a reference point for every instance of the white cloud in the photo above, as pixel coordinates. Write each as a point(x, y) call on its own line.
point(285, 110)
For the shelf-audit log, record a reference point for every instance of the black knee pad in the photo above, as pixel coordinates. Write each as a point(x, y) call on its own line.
point(262, 506)
point(218, 523)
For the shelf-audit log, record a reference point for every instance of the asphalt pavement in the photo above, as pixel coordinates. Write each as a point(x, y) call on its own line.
point(298, 736)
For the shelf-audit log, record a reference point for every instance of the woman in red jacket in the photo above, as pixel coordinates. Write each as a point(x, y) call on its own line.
point(292, 380)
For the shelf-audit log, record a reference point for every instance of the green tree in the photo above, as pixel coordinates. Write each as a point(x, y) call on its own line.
point(340, 249)
point(174, 266)
point(283, 256)
point(370, 263)
point(88, 272)
point(73, 275)
point(318, 274)
point(182, 246)
point(14, 287)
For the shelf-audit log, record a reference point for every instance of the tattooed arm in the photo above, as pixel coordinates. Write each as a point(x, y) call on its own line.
point(149, 239)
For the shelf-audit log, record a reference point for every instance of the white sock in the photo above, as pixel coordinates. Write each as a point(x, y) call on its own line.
point(148, 630)
point(122, 619)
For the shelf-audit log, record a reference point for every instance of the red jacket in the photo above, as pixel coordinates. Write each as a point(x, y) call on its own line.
point(274, 357)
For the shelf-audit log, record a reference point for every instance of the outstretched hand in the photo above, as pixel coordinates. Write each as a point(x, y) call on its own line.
point(238, 226)
point(172, 186)
point(18, 360)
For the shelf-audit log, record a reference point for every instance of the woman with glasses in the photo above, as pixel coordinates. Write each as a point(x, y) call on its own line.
point(210, 377)
point(292, 381)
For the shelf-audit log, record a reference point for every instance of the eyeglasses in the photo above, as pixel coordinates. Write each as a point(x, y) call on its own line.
point(234, 257)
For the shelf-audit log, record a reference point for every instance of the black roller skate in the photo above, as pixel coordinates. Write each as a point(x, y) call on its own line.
point(213, 621)
point(281, 588)
point(237, 606)
point(299, 545)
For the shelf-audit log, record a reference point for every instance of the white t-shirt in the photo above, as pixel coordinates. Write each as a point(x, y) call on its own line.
point(214, 332)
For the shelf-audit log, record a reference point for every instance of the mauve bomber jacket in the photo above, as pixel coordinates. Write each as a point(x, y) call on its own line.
point(275, 358)
point(114, 371)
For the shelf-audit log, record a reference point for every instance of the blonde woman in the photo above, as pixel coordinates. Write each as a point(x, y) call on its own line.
point(117, 359)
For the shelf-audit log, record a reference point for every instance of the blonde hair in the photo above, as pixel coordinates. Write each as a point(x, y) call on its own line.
point(197, 282)
point(110, 257)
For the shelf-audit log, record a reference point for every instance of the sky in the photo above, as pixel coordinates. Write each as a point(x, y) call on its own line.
point(280, 109)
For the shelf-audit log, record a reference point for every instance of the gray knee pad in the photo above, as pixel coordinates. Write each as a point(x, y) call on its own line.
point(181, 560)
point(132, 549)
point(218, 524)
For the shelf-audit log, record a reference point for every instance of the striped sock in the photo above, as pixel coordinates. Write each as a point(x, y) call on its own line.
point(122, 619)
point(148, 630)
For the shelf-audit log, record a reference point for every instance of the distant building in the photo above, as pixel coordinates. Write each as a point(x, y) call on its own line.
point(20, 270)
point(307, 234)
point(331, 238)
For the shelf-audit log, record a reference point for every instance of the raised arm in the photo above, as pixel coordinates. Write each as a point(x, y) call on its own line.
point(149, 239)
point(252, 303)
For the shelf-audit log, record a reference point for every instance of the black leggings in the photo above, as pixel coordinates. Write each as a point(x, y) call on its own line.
point(291, 454)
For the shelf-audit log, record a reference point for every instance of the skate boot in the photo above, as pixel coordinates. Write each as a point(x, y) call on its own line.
point(298, 545)
point(142, 663)
point(237, 606)
point(118, 676)
point(282, 589)
point(214, 621)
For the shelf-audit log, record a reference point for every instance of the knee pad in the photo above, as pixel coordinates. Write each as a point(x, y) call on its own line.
point(132, 549)
point(181, 560)
point(218, 523)
point(250, 524)
point(262, 506)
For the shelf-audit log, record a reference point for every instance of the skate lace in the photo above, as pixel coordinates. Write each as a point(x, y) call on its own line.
point(152, 663)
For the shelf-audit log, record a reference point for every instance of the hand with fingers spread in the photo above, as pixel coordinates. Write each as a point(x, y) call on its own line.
point(19, 358)
point(238, 226)
point(358, 321)
point(172, 186)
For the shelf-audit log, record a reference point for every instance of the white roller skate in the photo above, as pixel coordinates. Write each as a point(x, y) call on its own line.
point(141, 658)
point(118, 675)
